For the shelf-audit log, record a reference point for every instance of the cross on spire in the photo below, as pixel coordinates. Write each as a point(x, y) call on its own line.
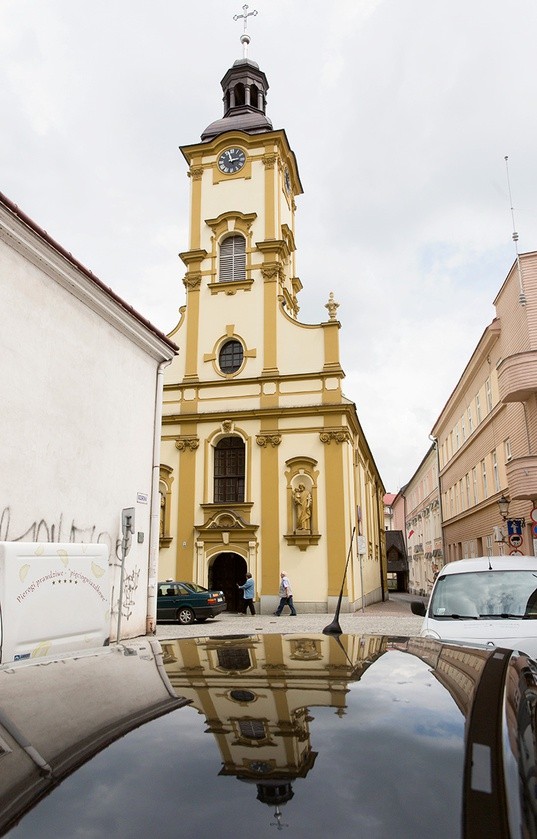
point(245, 38)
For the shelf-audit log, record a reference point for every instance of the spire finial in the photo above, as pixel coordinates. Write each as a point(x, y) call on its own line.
point(245, 38)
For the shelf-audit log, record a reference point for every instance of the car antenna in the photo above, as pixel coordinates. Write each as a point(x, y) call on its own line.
point(334, 628)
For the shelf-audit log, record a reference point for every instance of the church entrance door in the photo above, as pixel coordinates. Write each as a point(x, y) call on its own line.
point(226, 571)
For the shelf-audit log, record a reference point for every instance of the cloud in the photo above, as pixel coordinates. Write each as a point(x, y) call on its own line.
point(400, 115)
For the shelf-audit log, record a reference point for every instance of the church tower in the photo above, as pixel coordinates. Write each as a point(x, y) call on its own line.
point(264, 464)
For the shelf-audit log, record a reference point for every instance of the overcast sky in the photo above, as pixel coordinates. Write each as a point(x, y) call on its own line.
point(400, 113)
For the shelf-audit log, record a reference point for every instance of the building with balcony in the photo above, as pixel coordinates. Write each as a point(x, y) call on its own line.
point(487, 431)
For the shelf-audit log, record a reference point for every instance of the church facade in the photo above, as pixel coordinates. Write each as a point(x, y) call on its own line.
point(264, 465)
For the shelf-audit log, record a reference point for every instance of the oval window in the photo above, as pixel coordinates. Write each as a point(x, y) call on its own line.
point(231, 356)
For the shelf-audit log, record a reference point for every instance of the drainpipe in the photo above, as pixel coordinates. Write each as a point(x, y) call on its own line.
point(437, 448)
point(154, 520)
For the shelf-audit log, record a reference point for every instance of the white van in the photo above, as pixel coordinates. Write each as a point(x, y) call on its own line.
point(487, 600)
point(53, 598)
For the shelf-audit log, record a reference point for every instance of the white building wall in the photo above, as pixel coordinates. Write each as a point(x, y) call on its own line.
point(78, 413)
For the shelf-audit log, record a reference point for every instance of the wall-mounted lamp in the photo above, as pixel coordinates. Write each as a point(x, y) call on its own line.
point(503, 504)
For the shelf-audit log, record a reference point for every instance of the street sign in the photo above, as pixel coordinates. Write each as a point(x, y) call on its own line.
point(515, 541)
point(514, 526)
point(533, 515)
point(516, 553)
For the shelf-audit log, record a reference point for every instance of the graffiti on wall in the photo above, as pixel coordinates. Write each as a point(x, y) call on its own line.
point(43, 530)
point(130, 587)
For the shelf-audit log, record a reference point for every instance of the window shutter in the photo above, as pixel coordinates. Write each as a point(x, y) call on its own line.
point(232, 259)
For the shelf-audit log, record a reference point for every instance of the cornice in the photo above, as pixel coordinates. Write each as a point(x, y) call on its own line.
point(50, 258)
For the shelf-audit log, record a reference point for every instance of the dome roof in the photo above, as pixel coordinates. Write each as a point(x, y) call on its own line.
point(250, 121)
point(245, 95)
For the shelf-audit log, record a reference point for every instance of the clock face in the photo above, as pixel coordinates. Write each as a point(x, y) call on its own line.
point(260, 766)
point(287, 178)
point(231, 160)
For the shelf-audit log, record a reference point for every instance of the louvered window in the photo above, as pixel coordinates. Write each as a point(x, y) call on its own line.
point(252, 729)
point(232, 259)
point(229, 470)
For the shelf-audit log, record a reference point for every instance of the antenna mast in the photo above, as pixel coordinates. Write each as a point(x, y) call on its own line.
point(521, 295)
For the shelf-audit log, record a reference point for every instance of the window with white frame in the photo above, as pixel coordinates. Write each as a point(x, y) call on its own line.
point(489, 545)
point(470, 419)
point(495, 471)
point(467, 480)
point(463, 428)
point(507, 449)
point(488, 393)
point(484, 478)
point(478, 407)
point(475, 485)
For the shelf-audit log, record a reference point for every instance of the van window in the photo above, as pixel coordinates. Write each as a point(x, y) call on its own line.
point(485, 594)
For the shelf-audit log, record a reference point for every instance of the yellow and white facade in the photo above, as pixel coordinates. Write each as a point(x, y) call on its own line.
point(264, 466)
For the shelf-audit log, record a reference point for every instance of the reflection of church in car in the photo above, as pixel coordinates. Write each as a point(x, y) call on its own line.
point(264, 462)
point(261, 694)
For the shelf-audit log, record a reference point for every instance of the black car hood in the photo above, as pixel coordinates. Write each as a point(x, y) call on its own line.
point(242, 735)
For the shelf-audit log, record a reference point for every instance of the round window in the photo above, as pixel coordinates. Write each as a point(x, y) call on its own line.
point(242, 695)
point(231, 356)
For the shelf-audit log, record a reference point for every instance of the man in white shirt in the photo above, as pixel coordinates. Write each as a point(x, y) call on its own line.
point(286, 595)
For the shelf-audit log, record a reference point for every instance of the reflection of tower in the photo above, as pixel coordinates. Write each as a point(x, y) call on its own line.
point(255, 692)
point(275, 793)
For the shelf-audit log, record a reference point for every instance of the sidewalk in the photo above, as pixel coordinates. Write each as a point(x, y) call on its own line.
point(391, 617)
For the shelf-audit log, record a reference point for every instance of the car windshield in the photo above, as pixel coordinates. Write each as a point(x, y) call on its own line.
point(485, 594)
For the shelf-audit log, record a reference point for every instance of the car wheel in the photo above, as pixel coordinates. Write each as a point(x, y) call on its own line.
point(185, 615)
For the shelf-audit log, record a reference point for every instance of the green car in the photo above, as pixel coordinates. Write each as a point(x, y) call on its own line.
point(187, 602)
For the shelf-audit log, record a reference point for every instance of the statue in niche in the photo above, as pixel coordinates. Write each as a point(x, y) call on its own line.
point(302, 499)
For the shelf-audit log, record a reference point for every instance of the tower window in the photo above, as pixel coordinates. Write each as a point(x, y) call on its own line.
point(229, 470)
point(232, 259)
point(233, 658)
point(239, 94)
point(252, 729)
point(231, 356)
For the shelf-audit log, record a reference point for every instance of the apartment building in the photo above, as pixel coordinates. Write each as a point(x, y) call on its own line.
point(423, 525)
point(487, 431)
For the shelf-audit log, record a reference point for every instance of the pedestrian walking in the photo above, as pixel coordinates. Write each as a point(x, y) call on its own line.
point(248, 592)
point(286, 595)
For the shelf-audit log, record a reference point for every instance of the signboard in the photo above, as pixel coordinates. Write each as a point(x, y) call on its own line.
point(533, 515)
point(516, 553)
point(514, 526)
point(515, 541)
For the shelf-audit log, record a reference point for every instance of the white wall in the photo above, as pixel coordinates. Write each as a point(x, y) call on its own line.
point(78, 411)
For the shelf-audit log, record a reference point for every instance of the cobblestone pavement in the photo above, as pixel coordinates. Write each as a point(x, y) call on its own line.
point(392, 617)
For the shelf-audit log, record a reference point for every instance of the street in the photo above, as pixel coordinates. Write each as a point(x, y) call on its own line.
point(393, 617)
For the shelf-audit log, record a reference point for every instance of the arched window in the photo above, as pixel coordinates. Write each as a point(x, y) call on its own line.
point(240, 97)
point(229, 470)
point(232, 259)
